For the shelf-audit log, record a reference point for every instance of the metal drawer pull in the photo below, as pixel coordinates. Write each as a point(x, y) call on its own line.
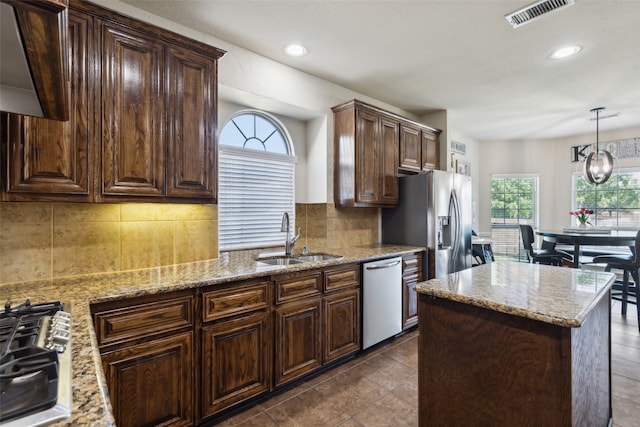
point(387, 265)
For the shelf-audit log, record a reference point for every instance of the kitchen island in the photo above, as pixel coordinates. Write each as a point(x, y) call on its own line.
point(510, 343)
point(91, 400)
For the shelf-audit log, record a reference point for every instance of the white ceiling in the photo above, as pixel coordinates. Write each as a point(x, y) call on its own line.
point(496, 82)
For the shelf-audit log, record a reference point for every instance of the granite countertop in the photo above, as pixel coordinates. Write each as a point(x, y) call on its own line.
point(91, 406)
point(556, 295)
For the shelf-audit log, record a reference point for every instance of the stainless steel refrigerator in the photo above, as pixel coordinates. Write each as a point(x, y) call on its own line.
point(435, 212)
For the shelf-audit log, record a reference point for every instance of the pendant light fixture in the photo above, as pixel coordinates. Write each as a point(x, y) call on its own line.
point(599, 163)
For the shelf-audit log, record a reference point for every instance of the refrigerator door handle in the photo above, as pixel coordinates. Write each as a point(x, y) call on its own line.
point(454, 212)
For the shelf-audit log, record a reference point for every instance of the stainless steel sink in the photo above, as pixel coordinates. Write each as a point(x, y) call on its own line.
point(316, 257)
point(280, 261)
point(292, 260)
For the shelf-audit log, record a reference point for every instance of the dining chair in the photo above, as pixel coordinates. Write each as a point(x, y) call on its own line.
point(546, 255)
point(629, 264)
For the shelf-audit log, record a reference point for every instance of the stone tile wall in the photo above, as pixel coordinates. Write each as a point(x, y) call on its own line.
point(324, 225)
point(46, 240)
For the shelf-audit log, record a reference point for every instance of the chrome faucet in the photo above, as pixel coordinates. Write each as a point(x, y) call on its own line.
point(288, 243)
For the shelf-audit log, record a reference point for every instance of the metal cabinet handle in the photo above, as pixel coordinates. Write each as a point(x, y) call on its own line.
point(387, 265)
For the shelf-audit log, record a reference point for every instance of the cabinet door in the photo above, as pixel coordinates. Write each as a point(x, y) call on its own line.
point(235, 361)
point(430, 151)
point(49, 159)
point(411, 275)
point(298, 340)
point(132, 132)
point(341, 324)
point(367, 157)
point(410, 148)
point(388, 171)
point(152, 383)
point(192, 148)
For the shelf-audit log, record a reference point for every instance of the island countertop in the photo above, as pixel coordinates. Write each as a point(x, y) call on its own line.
point(91, 405)
point(560, 296)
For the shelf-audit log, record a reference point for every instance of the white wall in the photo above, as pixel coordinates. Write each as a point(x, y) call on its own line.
point(551, 160)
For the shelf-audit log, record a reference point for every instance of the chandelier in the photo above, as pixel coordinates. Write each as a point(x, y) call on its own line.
point(599, 163)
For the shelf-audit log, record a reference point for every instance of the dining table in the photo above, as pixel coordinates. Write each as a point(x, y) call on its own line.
point(596, 237)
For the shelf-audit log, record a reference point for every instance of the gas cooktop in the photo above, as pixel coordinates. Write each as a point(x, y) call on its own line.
point(35, 364)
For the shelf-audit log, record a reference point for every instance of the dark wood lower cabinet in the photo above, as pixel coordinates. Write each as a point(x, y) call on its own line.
point(298, 339)
point(189, 357)
point(341, 324)
point(235, 361)
point(152, 383)
point(411, 275)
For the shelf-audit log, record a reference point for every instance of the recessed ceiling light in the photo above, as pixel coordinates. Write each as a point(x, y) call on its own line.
point(295, 50)
point(565, 52)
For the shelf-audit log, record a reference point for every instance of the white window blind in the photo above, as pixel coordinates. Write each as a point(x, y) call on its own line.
point(255, 189)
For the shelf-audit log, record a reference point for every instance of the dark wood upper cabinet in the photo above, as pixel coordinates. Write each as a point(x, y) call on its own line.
point(42, 25)
point(191, 124)
point(50, 159)
point(370, 146)
point(410, 147)
point(142, 125)
point(132, 118)
point(418, 147)
point(430, 149)
point(366, 156)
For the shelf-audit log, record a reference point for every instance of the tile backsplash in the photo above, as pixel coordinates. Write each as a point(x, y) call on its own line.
point(47, 240)
point(324, 225)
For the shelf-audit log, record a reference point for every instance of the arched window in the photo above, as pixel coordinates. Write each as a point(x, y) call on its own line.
point(256, 181)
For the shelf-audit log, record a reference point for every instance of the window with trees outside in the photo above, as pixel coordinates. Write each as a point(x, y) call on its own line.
point(514, 201)
point(256, 182)
point(616, 203)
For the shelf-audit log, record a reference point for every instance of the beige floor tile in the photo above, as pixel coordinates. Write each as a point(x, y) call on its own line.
point(408, 391)
point(307, 409)
point(260, 420)
point(405, 352)
point(350, 398)
point(625, 412)
point(350, 423)
point(284, 396)
point(386, 372)
point(389, 411)
point(241, 417)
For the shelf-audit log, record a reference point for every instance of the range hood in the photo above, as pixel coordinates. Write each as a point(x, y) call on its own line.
point(33, 58)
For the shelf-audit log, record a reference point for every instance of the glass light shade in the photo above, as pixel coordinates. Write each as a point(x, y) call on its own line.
point(598, 167)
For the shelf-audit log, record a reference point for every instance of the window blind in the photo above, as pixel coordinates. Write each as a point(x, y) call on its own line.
point(255, 189)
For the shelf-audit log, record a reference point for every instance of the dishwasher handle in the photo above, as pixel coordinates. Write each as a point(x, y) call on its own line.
point(387, 265)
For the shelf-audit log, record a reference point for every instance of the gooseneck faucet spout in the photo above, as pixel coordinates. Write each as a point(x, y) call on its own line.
point(289, 242)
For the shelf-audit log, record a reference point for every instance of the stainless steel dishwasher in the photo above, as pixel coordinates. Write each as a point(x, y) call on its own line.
point(381, 300)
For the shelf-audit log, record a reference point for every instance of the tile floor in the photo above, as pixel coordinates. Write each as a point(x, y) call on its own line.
point(380, 387)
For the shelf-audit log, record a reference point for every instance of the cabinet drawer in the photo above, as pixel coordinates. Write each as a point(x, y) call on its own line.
point(238, 299)
point(411, 264)
point(297, 285)
point(411, 279)
point(346, 276)
point(141, 320)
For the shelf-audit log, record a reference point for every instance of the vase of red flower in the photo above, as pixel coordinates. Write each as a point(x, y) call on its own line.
point(582, 215)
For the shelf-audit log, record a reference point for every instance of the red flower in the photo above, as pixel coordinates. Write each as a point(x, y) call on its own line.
point(582, 214)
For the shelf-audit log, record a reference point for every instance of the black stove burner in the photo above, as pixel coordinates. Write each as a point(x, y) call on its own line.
point(28, 372)
point(28, 381)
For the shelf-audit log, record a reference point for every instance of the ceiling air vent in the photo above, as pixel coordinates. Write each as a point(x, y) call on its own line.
point(536, 10)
